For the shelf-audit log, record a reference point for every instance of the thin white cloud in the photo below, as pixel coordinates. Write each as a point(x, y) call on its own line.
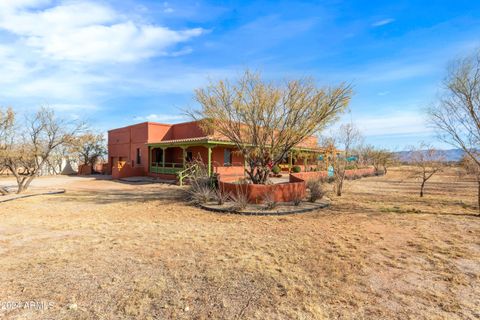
point(73, 107)
point(161, 118)
point(66, 54)
point(395, 123)
point(383, 22)
point(89, 32)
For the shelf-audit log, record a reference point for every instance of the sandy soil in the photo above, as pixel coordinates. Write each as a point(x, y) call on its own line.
point(110, 250)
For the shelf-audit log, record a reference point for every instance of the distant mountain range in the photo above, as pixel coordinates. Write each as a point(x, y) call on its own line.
point(450, 155)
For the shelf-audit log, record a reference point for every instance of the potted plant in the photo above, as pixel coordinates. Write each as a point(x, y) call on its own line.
point(276, 171)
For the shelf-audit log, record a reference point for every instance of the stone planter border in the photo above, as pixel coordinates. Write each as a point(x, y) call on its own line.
point(22, 196)
point(260, 212)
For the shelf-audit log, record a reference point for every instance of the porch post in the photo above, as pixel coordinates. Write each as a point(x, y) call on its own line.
point(184, 156)
point(209, 161)
point(163, 157)
point(305, 162)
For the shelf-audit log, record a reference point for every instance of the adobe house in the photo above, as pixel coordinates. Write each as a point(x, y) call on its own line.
point(164, 150)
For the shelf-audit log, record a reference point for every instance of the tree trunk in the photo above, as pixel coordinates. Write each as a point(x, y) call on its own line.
point(339, 188)
point(24, 183)
point(21, 187)
point(258, 175)
point(478, 197)
point(3, 191)
point(421, 188)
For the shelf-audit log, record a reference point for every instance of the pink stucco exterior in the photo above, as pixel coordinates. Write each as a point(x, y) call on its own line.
point(124, 144)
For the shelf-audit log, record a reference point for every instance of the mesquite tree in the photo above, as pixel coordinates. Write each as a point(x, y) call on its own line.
point(89, 147)
point(473, 170)
point(456, 115)
point(264, 120)
point(346, 139)
point(7, 119)
point(427, 161)
point(30, 144)
point(380, 159)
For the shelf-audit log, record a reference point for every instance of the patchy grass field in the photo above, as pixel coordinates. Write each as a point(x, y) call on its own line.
point(107, 250)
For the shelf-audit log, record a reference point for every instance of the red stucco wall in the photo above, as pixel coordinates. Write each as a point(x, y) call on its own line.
point(318, 174)
point(282, 192)
point(123, 144)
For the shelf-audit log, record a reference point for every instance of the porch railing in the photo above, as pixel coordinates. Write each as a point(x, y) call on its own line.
point(187, 173)
point(169, 168)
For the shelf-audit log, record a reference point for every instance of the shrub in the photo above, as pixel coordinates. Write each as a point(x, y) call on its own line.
point(297, 198)
point(276, 170)
point(269, 201)
point(330, 179)
point(316, 192)
point(240, 199)
point(200, 190)
point(296, 169)
point(221, 196)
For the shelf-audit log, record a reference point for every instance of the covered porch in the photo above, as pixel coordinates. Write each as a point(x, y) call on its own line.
point(173, 157)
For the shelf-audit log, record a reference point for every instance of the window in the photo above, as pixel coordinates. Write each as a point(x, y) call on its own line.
point(139, 156)
point(227, 157)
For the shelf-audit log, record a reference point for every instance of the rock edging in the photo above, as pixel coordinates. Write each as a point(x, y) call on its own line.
point(22, 196)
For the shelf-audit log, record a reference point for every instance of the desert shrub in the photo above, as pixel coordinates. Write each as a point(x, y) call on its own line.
point(200, 190)
point(354, 176)
point(296, 169)
point(240, 199)
point(220, 196)
point(330, 179)
point(276, 169)
point(269, 201)
point(297, 198)
point(316, 191)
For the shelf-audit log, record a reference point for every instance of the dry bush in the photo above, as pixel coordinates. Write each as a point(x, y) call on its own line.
point(240, 199)
point(316, 191)
point(200, 190)
point(221, 196)
point(269, 201)
point(297, 198)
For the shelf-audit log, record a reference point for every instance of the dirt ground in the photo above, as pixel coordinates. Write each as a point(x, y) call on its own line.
point(111, 250)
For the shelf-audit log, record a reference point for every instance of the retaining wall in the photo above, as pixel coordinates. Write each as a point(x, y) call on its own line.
point(126, 171)
point(282, 192)
point(322, 174)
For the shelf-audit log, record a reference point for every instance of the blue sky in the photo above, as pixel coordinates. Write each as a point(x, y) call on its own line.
point(119, 62)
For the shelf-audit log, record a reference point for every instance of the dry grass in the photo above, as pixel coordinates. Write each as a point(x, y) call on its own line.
point(121, 251)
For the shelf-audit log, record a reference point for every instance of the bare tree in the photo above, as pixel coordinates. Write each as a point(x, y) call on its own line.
point(89, 147)
point(30, 147)
point(427, 161)
point(7, 120)
point(473, 170)
point(347, 139)
point(380, 159)
point(456, 115)
point(264, 120)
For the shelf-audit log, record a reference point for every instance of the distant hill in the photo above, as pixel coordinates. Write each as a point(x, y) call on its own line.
point(450, 155)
